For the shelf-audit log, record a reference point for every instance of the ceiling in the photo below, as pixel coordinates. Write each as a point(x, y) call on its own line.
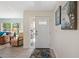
point(15, 9)
point(27, 5)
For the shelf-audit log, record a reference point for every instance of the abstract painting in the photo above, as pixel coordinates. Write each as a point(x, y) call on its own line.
point(58, 16)
point(69, 16)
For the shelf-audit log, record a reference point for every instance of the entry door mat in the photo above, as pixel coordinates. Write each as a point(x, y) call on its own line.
point(43, 53)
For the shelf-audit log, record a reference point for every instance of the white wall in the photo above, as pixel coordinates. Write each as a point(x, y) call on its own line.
point(10, 13)
point(65, 42)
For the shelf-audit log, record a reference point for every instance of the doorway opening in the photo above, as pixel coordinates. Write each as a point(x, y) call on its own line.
point(11, 32)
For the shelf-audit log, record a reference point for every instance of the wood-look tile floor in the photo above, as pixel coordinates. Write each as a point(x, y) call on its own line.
point(15, 52)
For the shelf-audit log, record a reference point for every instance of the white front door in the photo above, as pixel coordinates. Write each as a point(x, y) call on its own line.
point(42, 39)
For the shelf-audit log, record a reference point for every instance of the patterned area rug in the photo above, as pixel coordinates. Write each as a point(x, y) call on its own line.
point(43, 53)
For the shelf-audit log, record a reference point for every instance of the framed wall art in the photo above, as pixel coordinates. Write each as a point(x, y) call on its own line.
point(69, 16)
point(58, 16)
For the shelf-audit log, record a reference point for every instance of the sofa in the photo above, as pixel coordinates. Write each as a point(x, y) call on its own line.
point(4, 38)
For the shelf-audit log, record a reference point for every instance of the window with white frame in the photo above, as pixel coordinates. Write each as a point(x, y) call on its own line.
point(6, 26)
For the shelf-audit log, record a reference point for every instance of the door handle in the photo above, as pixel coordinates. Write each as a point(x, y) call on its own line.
point(36, 32)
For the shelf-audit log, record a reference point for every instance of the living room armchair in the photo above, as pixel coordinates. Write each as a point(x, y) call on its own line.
point(17, 41)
